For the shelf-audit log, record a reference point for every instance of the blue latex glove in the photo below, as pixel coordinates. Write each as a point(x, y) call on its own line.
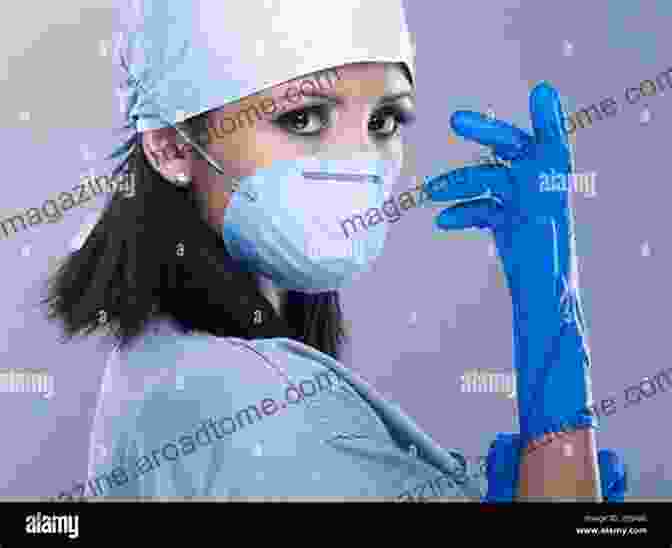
point(613, 476)
point(504, 459)
point(534, 236)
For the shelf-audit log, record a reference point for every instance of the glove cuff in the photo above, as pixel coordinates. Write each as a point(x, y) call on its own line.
point(503, 466)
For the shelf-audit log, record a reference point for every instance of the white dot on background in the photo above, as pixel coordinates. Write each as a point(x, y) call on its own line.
point(100, 448)
point(646, 249)
point(121, 95)
point(25, 250)
point(316, 476)
point(258, 450)
point(645, 116)
point(118, 44)
point(568, 450)
point(87, 155)
point(567, 48)
point(260, 48)
point(492, 250)
point(413, 319)
point(180, 382)
point(103, 48)
point(24, 116)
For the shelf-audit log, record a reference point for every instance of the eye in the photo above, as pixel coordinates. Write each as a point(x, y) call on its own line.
point(311, 121)
point(388, 121)
point(305, 121)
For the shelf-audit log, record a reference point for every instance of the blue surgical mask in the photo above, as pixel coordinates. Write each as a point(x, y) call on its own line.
point(285, 221)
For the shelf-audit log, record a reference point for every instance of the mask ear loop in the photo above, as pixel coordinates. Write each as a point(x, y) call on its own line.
point(234, 184)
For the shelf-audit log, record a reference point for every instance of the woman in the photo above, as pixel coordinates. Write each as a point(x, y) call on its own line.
point(220, 277)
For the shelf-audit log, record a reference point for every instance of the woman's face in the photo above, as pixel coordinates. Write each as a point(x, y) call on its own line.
point(360, 106)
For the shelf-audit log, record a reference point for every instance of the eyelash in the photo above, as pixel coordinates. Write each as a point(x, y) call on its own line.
point(401, 117)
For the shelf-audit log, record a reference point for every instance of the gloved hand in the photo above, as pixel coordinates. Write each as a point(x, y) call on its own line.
point(534, 236)
point(504, 460)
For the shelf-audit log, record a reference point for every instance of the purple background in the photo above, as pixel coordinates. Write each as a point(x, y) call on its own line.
point(470, 57)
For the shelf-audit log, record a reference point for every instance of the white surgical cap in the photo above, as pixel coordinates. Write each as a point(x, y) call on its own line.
point(185, 57)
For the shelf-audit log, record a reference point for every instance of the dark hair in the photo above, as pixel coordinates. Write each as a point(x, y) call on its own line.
point(153, 255)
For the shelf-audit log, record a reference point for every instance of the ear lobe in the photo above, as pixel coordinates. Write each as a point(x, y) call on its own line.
point(151, 155)
point(166, 155)
point(161, 144)
point(152, 150)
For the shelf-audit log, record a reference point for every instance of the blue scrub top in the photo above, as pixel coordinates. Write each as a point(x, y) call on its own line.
point(200, 416)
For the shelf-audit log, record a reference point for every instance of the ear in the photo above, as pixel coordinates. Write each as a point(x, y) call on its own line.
point(167, 152)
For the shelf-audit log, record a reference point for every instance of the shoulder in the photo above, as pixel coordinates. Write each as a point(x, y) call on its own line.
point(161, 392)
point(167, 379)
point(168, 366)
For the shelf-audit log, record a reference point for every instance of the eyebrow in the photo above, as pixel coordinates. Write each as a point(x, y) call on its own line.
point(384, 99)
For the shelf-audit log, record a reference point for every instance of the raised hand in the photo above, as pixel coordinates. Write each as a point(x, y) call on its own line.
point(533, 232)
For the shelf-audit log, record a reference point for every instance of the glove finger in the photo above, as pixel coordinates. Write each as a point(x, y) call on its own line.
point(476, 214)
point(547, 116)
point(469, 183)
point(490, 133)
point(613, 475)
point(509, 154)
